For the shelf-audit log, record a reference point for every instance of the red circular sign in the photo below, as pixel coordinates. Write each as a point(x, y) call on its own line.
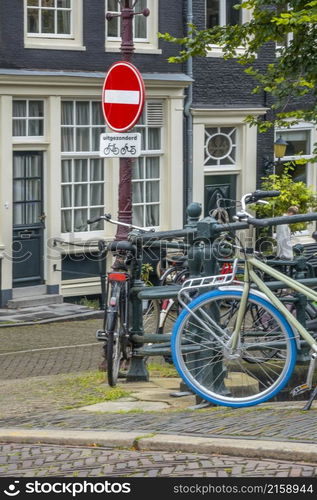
point(122, 96)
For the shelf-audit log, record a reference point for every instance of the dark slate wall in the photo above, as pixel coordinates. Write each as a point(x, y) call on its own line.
point(13, 54)
point(222, 83)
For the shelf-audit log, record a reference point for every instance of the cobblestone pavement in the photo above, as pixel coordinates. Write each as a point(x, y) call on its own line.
point(28, 351)
point(68, 461)
point(34, 360)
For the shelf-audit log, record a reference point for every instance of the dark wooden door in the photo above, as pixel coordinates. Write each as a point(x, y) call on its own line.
point(220, 186)
point(28, 218)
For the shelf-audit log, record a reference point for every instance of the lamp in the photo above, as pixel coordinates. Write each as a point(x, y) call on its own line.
point(279, 151)
point(279, 148)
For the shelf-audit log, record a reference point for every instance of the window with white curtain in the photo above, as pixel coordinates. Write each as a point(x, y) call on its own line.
point(53, 24)
point(27, 118)
point(139, 21)
point(146, 168)
point(144, 28)
point(82, 169)
point(49, 17)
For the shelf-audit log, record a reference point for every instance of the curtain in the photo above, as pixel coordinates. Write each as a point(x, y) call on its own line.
point(67, 119)
point(19, 111)
point(140, 22)
point(80, 220)
point(66, 221)
point(81, 170)
point(63, 22)
point(152, 215)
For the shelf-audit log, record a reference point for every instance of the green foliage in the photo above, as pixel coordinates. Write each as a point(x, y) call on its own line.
point(294, 71)
point(145, 273)
point(292, 193)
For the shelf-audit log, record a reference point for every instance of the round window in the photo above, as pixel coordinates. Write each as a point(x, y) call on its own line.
point(219, 146)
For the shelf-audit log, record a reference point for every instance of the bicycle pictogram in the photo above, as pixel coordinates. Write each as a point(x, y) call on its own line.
point(125, 149)
point(111, 148)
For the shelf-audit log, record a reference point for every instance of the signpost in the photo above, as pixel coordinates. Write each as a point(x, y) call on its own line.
point(122, 96)
point(122, 105)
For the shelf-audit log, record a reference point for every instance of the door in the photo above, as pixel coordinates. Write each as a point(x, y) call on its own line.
point(28, 218)
point(220, 186)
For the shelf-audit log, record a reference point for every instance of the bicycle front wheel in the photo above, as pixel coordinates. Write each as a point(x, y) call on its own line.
point(220, 372)
point(114, 348)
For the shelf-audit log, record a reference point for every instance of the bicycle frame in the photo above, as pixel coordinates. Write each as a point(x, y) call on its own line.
point(250, 276)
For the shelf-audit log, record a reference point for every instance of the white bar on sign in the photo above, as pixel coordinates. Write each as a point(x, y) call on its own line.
point(122, 96)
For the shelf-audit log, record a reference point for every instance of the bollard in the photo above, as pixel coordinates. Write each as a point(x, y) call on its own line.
point(138, 371)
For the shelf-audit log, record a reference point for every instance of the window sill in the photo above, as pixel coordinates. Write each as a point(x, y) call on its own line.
point(137, 50)
point(222, 168)
point(61, 45)
point(216, 51)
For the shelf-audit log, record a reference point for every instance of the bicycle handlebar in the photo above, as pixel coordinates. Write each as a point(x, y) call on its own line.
point(94, 219)
point(284, 219)
point(108, 218)
point(121, 245)
point(258, 194)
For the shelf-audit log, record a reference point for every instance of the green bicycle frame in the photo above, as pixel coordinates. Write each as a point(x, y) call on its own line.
point(251, 276)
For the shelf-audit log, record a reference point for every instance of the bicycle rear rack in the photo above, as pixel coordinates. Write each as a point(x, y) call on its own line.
point(210, 281)
point(194, 284)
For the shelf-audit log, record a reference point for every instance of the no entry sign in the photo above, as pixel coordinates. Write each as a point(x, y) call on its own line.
point(122, 96)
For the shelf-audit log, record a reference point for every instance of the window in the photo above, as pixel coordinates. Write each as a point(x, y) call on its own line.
point(289, 36)
point(49, 17)
point(139, 21)
point(28, 118)
point(53, 24)
point(82, 169)
point(299, 145)
point(146, 168)
point(220, 146)
point(144, 28)
point(27, 188)
point(222, 12)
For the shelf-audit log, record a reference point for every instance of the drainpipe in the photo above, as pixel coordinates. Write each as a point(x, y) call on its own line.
point(188, 156)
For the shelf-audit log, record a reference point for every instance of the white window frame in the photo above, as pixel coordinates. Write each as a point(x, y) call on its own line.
point(215, 50)
point(223, 12)
point(304, 126)
point(231, 165)
point(51, 41)
point(17, 139)
point(73, 155)
point(141, 45)
point(148, 153)
point(310, 169)
point(289, 38)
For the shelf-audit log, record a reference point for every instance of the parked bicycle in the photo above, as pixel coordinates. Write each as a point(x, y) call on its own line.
point(118, 308)
point(117, 315)
point(237, 344)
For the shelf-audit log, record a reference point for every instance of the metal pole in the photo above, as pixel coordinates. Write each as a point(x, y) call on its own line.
point(125, 172)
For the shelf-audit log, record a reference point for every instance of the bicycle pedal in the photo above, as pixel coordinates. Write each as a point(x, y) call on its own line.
point(101, 335)
point(299, 390)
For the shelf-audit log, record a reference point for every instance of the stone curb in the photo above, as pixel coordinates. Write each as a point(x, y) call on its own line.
point(278, 450)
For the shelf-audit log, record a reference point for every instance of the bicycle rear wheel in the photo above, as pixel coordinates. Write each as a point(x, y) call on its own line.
point(225, 376)
point(113, 348)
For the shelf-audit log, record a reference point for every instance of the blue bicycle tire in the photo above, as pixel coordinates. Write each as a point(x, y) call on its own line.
point(178, 340)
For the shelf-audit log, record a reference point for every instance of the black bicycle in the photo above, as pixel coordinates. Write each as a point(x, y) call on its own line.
point(116, 324)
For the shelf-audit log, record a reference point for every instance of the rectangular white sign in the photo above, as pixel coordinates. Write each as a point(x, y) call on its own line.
point(122, 96)
point(120, 145)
